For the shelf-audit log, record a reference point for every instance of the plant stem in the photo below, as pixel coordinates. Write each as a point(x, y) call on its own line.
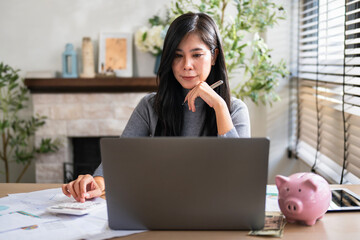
point(5, 157)
point(223, 12)
point(23, 172)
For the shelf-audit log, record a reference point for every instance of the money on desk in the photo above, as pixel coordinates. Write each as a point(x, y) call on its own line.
point(273, 227)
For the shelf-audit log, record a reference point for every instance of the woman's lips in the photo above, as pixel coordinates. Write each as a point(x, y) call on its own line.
point(188, 77)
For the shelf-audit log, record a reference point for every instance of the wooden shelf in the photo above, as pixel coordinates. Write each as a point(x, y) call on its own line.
point(91, 85)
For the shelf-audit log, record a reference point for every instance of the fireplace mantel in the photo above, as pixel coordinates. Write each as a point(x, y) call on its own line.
point(81, 108)
point(91, 85)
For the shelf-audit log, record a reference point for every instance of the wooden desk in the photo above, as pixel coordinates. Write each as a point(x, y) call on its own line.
point(341, 226)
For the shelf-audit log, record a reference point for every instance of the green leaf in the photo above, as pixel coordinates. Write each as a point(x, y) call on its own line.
point(4, 124)
point(23, 156)
point(143, 38)
point(48, 145)
point(202, 7)
point(179, 9)
point(155, 21)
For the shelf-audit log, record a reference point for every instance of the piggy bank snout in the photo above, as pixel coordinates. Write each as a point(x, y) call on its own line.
point(293, 206)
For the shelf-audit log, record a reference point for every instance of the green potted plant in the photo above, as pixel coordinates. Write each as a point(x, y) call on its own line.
point(236, 19)
point(17, 131)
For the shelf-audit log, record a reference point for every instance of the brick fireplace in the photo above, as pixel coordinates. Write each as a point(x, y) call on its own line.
point(77, 115)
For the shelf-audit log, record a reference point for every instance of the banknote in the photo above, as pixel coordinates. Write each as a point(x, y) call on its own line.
point(273, 227)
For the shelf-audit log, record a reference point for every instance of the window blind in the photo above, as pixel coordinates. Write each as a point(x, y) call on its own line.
point(328, 85)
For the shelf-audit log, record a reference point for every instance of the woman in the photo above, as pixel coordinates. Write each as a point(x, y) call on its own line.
point(185, 104)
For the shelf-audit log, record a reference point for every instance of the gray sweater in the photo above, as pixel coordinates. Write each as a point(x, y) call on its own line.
point(143, 120)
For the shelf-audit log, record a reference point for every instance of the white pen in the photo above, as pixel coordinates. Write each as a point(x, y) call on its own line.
point(213, 86)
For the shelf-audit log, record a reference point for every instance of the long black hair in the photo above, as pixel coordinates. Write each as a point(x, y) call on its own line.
point(169, 97)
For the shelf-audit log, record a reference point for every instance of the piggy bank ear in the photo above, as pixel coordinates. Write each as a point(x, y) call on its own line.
point(310, 183)
point(280, 180)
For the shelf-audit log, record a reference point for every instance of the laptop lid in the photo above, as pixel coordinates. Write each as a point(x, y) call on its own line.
point(185, 183)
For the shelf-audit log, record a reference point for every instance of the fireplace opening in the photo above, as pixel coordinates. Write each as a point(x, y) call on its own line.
point(86, 157)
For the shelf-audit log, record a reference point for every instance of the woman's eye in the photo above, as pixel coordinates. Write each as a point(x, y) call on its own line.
point(197, 55)
point(178, 55)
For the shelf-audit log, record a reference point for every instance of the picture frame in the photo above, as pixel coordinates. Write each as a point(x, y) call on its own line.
point(115, 54)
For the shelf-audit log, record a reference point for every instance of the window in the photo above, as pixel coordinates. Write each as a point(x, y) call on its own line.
point(328, 88)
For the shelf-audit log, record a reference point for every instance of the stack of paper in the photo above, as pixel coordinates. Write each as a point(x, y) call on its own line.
point(24, 216)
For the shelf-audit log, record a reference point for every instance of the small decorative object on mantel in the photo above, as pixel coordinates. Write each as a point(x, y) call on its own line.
point(152, 39)
point(69, 61)
point(87, 59)
point(115, 54)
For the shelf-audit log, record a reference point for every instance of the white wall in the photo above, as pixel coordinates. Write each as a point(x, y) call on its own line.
point(33, 34)
point(282, 39)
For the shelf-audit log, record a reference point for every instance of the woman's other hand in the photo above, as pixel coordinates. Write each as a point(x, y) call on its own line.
point(204, 91)
point(84, 187)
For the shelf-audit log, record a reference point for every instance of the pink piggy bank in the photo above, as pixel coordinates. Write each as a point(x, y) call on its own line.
point(303, 197)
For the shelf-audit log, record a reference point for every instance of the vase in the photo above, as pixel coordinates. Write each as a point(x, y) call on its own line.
point(87, 59)
point(157, 64)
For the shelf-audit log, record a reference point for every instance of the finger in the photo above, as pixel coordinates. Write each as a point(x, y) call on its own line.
point(93, 193)
point(207, 94)
point(72, 190)
point(86, 181)
point(199, 91)
point(185, 99)
point(65, 190)
point(188, 97)
point(193, 109)
point(77, 187)
point(192, 99)
point(92, 187)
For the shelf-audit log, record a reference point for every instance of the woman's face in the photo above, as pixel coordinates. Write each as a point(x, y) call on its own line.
point(192, 61)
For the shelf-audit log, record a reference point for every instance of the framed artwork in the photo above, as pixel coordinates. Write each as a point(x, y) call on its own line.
point(115, 54)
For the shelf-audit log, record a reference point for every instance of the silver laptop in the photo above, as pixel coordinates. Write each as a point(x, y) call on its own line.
point(185, 183)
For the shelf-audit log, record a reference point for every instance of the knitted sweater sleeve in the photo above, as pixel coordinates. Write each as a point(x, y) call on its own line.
point(240, 117)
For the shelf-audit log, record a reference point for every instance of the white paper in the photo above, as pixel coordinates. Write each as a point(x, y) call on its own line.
point(24, 216)
point(7, 205)
point(17, 220)
point(271, 204)
point(108, 233)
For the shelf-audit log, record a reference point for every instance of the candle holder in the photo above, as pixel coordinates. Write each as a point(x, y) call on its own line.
point(69, 62)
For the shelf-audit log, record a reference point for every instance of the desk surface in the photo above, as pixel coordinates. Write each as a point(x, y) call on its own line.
point(344, 225)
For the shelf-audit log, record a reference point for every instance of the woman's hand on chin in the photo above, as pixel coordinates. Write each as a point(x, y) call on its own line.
point(206, 93)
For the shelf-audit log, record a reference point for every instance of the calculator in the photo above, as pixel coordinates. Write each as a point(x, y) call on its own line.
point(76, 208)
